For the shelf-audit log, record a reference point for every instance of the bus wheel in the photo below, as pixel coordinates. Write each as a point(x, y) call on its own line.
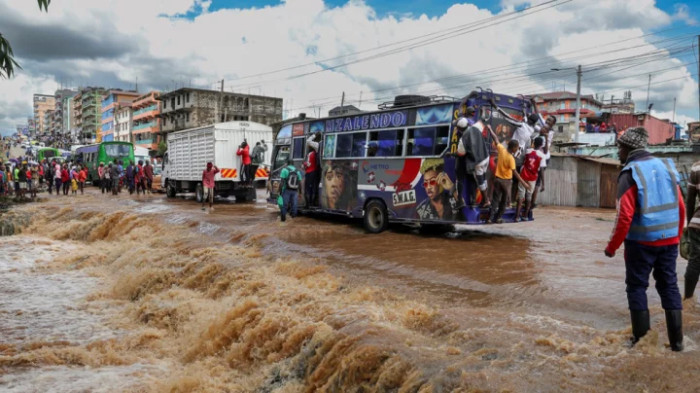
point(376, 218)
point(199, 193)
point(170, 190)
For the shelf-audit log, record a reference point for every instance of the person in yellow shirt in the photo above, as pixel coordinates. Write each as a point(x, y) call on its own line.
point(505, 170)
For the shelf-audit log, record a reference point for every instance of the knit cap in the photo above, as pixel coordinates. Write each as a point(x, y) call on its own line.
point(634, 138)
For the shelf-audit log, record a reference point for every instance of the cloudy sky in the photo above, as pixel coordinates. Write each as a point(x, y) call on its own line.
point(311, 51)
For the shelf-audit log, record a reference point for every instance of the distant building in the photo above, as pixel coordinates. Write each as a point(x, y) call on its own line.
point(146, 120)
point(694, 131)
point(110, 102)
point(623, 106)
point(344, 110)
point(660, 131)
point(123, 122)
point(188, 107)
point(57, 123)
point(90, 113)
point(562, 104)
point(42, 103)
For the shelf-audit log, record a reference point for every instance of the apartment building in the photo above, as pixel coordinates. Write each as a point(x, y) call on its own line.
point(123, 122)
point(146, 120)
point(189, 107)
point(42, 103)
point(562, 104)
point(91, 113)
point(110, 102)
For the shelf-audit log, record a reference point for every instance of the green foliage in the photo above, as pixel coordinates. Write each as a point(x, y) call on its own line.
point(7, 60)
point(162, 148)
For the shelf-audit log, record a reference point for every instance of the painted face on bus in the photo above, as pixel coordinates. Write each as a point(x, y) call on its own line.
point(431, 184)
point(334, 186)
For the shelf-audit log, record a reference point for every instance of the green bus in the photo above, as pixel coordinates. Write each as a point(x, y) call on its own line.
point(48, 153)
point(105, 152)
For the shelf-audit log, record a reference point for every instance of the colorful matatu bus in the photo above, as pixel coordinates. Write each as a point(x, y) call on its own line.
point(105, 152)
point(396, 164)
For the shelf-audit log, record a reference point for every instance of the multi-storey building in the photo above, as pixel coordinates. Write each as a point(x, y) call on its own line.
point(42, 103)
point(48, 123)
point(61, 96)
point(123, 122)
point(77, 116)
point(188, 107)
point(562, 104)
point(146, 123)
point(110, 102)
point(91, 113)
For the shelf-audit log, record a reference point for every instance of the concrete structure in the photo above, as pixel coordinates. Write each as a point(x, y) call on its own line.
point(42, 103)
point(60, 96)
point(77, 117)
point(48, 123)
point(694, 131)
point(68, 119)
point(110, 102)
point(123, 122)
point(146, 121)
point(562, 104)
point(622, 106)
point(91, 113)
point(344, 110)
point(187, 108)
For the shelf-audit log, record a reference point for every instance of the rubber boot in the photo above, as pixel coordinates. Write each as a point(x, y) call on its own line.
point(690, 284)
point(640, 324)
point(674, 327)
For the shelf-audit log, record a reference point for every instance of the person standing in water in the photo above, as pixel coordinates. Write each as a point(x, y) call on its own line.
point(650, 218)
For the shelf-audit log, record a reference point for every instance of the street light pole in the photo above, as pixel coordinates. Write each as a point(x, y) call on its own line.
point(578, 102)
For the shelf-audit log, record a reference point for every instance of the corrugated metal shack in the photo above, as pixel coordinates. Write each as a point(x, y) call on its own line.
point(583, 181)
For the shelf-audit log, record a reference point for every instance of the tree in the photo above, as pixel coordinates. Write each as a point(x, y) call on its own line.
point(7, 59)
point(162, 148)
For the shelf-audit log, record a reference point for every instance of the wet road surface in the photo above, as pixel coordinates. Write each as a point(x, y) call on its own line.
point(154, 293)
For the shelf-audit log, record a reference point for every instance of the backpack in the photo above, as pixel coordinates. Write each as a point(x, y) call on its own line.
point(293, 180)
point(260, 156)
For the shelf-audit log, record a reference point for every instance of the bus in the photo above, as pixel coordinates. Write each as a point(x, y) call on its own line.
point(105, 152)
point(397, 164)
point(48, 153)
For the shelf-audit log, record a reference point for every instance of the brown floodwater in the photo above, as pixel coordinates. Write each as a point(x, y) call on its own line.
point(149, 294)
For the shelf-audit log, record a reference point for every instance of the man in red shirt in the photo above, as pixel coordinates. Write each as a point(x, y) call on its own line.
point(650, 218)
point(208, 183)
point(310, 173)
point(534, 160)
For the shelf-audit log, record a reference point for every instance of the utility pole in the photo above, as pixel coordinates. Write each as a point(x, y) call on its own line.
point(673, 119)
point(578, 102)
point(219, 104)
point(648, 88)
point(699, 77)
point(342, 100)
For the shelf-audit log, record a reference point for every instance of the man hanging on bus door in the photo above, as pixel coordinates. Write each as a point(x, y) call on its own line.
point(473, 162)
point(310, 166)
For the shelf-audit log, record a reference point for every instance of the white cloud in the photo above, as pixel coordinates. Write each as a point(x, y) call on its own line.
point(232, 43)
point(683, 14)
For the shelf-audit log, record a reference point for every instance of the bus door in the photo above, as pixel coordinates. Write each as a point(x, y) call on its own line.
point(280, 154)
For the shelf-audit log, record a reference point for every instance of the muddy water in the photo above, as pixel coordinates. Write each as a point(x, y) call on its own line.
point(154, 295)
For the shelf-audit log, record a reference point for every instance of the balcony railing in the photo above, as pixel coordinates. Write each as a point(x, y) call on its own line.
point(146, 109)
point(144, 142)
point(144, 125)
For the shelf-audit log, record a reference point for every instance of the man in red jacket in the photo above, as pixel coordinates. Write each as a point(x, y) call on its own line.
point(650, 218)
point(244, 152)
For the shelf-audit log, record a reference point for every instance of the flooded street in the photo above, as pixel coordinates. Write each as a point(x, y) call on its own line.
point(149, 294)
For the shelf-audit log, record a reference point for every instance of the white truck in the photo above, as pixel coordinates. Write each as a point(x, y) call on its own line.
point(190, 150)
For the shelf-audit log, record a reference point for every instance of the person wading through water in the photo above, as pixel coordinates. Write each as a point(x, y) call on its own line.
point(650, 218)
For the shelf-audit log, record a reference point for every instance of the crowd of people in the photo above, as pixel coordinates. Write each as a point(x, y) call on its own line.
point(22, 178)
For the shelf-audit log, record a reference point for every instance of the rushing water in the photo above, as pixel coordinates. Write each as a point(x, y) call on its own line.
point(147, 294)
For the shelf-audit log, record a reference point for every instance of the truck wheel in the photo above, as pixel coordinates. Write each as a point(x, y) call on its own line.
point(170, 189)
point(199, 193)
point(376, 218)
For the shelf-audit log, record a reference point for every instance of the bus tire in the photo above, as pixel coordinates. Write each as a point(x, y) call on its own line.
point(376, 218)
point(170, 190)
point(199, 193)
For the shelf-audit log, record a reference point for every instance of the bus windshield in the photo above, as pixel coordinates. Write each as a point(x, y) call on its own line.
point(49, 153)
point(118, 150)
point(282, 156)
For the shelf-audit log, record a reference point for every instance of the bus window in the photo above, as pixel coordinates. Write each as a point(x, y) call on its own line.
point(427, 141)
point(117, 150)
point(351, 145)
point(281, 157)
point(298, 148)
point(329, 146)
point(385, 143)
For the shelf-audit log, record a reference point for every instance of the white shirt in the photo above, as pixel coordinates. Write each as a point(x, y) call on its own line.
point(523, 134)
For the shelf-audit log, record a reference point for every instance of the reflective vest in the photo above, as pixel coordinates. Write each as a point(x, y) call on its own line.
point(657, 216)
